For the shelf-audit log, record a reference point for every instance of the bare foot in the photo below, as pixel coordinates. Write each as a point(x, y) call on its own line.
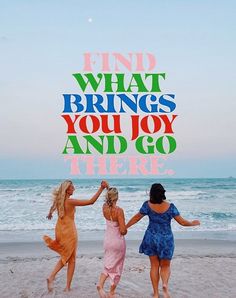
point(49, 284)
point(165, 291)
point(67, 289)
point(101, 292)
point(156, 295)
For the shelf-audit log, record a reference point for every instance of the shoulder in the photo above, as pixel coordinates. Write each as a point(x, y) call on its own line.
point(105, 208)
point(174, 209)
point(145, 208)
point(145, 204)
point(119, 210)
point(171, 205)
point(69, 201)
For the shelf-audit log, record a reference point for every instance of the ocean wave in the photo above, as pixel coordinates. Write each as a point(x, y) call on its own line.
point(102, 228)
point(216, 215)
point(26, 227)
point(187, 194)
point(24, 204)
point(14, 189)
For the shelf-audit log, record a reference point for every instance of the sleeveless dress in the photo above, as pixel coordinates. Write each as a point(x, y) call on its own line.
point(115, 248)
point(65, 242)
point(158, 239)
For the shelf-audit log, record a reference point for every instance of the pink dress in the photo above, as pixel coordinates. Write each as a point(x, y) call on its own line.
point(115, 248)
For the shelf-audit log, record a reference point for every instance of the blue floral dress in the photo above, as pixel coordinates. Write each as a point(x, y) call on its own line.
point(158, 239)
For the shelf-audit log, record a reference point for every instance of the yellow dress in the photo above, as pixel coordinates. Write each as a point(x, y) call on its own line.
point(66, 239)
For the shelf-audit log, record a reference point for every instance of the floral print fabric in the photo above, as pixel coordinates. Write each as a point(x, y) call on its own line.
point(158, 239)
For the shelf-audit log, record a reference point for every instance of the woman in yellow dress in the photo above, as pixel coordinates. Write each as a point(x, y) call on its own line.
point(65, 242)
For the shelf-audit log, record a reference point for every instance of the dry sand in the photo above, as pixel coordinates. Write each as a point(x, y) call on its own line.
point(200, 269)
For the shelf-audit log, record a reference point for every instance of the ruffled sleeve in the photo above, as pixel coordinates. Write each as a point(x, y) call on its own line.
point(174, 210)
point(144, 209)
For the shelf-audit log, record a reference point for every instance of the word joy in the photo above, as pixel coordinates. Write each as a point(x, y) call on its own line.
point(107, 124)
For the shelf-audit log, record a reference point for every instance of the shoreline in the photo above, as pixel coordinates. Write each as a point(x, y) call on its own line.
point(94, 248)
point(36, 235)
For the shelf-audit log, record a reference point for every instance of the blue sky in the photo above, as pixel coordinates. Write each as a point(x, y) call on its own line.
point(42, 43)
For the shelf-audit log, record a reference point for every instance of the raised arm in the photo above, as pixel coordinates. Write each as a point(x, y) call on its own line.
point(121, 221)
point(186, 223)
point(134, 220)
point(90, 201)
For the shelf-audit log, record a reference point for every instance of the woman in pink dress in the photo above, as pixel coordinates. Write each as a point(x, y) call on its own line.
point(114, 243)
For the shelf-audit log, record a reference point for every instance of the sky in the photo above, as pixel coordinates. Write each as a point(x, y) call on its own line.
point(42, 44)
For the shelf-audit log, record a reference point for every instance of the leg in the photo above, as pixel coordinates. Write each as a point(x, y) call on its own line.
point(100, 285)
point(112, 291)
point(154, 274)
point(70, 270)
point(165, 275)
point(52, 276)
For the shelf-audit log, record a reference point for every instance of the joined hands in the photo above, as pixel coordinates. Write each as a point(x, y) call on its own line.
point(104, 184)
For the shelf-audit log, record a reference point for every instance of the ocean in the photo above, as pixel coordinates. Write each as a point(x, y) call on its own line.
point(25, 204)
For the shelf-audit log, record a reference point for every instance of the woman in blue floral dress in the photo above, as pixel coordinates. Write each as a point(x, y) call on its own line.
point(158, 241)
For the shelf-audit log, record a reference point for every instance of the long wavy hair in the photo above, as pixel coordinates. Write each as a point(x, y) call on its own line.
point(59, 196)
point(111, 196)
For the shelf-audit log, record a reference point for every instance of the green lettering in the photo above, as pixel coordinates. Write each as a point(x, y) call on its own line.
point(90, 80)
point(75, 145)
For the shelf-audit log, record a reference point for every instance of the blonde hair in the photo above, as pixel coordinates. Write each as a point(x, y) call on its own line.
point(59, 196)
point(111, 196)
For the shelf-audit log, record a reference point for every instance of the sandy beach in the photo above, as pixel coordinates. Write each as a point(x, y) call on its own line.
point(200, 268)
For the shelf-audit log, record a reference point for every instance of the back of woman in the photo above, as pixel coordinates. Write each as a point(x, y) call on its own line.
point(69, 210)
point(65, 242)
point(159, 222)
point(114, 242)
point(110, 213)
point(158, 240)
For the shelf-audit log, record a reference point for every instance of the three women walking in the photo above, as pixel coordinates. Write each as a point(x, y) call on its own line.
point(157, 243)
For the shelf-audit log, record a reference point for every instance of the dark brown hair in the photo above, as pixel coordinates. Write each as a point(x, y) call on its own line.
point(157, 193)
